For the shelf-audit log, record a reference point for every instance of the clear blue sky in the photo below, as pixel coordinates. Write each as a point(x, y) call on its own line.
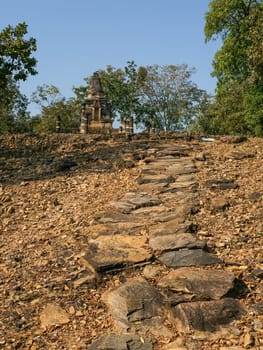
point(76, 38)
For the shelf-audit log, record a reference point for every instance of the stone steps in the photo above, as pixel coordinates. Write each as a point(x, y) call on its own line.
point(151, 225)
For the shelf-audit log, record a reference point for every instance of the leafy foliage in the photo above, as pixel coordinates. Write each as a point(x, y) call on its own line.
point(54, 105)
point(238, 66)
point(158, 97)
point(16, 64)
point(170, 99)
point(121, 88)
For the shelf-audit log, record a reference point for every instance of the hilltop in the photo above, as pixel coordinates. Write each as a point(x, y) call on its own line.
point(53, 188)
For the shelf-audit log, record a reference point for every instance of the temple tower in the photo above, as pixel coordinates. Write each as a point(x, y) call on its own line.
point(96, 111)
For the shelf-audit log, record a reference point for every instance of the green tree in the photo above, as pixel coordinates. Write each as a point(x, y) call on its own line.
point(13, 109)
point(122, 89)
point(170, 101)
point(16, 64)
point(238, 65)
point(54, 105)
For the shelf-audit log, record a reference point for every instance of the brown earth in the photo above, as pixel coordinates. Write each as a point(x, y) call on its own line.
point(51, 185)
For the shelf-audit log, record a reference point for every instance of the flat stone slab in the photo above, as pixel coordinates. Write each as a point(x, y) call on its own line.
point(155, 179)
point(117, 251)
point(206, 315)
point(121, 342)
point(161, 164)
point(174, 152)
point(200, 284)
point(165, 159)
point(221, 184)
point(175, 242)
point(111, 217)
point(115, 229)
point(186, 181)
point(137, 307)
point(154, 215)
point(182, 166)
point(178, 225)
point(184, 201)
point(135, 200)
point(188, 257)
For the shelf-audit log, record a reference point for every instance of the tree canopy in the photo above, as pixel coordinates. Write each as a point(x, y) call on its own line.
point(16, 64)
point(54, 106)
point(170, 100)
point(157, 97)
point(238, 65)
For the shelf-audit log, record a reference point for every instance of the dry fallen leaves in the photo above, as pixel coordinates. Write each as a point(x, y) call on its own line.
point(50, 188)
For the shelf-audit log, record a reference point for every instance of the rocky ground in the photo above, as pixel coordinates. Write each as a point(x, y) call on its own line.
point(53, 189)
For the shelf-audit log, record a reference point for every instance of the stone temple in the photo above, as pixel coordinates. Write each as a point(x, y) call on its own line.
point(96, 111)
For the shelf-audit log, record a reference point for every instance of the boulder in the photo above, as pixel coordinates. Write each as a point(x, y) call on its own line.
point(136, 306)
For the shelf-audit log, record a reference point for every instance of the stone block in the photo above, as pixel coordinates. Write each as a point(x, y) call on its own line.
point(206, 315)
point(117, 251)
point(188, 257)
point(201, 284)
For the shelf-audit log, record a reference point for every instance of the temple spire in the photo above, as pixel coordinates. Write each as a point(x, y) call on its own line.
point(96, 111)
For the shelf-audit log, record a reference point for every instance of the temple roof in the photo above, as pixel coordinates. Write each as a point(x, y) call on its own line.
point(96, 86)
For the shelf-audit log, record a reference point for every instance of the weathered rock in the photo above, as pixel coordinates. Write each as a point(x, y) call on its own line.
point(233, 139)
point(113, 218)
point(182, 166)
point(185, 178)
point(174, 226)
point(222, 184)
point(206, 315)
point(188, 257)
point(164, 217)
point(172, 152)
point(156, 179)
point(89, 278)
point(134, 200)
point(175, 242)
point(116, 229)
point(136, 306)
point(171, 166)
point(117, 251)
point(185, 181)
point(65, 164)
point(121, 342)
point(255, 196)
point(201, 157)
point(201, 284)
point(186, 201)
point(144, 213)
point(240, 155)
point(165, 159)
point(219, 204)
point(53, 315)
point(154, 215)
point(153, 271)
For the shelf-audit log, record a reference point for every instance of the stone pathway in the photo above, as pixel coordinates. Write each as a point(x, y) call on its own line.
point(151, 226)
